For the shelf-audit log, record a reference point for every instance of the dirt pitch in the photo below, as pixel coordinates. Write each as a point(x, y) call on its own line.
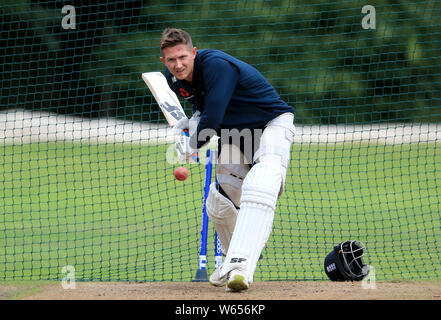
point(274, 290)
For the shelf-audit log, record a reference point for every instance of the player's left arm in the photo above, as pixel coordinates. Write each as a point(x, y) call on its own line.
point(220, 80)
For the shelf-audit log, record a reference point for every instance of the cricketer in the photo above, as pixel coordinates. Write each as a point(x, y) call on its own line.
point(232, 99)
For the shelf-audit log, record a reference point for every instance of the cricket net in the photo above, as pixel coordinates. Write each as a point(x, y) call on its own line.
point(85, 173)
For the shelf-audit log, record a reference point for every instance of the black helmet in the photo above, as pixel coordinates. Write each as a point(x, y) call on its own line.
point(345, 262)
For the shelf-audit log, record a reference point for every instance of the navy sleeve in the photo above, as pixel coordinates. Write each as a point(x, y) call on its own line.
point(220, 79)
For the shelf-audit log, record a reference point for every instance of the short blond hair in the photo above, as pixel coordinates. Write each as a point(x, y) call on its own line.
point(172, 37)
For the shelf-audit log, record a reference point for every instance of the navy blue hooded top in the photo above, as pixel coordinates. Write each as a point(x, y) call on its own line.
point(229, 93)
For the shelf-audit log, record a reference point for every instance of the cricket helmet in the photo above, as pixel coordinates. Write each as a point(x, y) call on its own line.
point(345, 262)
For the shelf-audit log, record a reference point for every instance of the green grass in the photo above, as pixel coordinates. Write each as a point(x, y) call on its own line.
point(115, 212)
point(16, 290)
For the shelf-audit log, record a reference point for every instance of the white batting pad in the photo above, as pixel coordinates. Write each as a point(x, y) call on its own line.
point(254, 223)
point(275, 144)
point(223, 214)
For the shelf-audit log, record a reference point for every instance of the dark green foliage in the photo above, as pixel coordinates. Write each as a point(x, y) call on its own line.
point(317, 55)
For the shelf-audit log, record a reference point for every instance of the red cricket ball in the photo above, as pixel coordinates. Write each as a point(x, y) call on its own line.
point(181, 173)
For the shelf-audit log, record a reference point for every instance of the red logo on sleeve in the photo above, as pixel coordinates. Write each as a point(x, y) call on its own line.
point(184, 93)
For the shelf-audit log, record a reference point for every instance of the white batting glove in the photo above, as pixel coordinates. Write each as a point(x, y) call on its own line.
point(182, 128)
point(185, 152)
point(185, 123)
point(196, 117)
point(181, 125)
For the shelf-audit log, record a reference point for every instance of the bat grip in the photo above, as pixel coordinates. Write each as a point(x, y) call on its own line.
point(194, 156)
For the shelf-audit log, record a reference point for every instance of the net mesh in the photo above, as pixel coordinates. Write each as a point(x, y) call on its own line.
point(85, 178)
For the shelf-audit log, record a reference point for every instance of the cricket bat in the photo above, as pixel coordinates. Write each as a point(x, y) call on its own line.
point(167, 100)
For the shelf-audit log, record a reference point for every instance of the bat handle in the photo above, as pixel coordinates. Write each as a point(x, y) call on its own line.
point(194, 156)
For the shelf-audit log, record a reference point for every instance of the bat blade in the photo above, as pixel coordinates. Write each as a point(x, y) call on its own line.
point(167, 100)
point(164, 96)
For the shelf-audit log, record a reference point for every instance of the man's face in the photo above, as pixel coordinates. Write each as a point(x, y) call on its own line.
point(180, 61)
